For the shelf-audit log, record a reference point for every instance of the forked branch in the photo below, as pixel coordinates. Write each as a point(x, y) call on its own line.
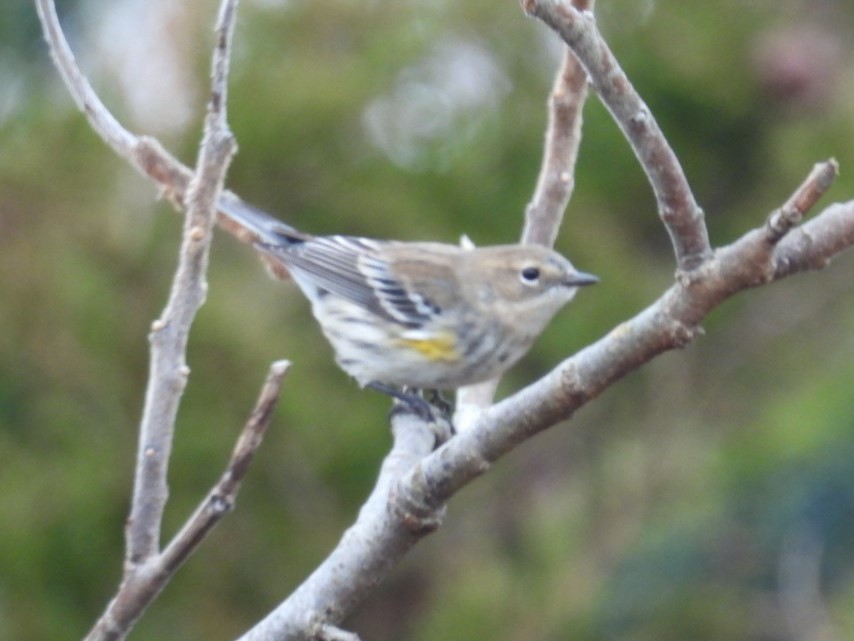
point(140, 587)
point(146, 569)
point(415, 483)
point(677, 207)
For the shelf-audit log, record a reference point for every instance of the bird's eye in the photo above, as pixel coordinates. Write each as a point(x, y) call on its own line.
point(530, 275)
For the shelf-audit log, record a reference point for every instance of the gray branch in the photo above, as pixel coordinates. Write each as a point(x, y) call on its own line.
point(169, 334)
point(677, 207)
point(388, 525)
point(544, 213)
point(146, 569)
point(140, 587)
point(416, 480)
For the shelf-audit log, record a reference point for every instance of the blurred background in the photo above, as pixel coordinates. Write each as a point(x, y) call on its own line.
point(708, 496)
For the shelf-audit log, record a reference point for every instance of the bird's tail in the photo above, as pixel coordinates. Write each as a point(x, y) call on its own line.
point(255, 227)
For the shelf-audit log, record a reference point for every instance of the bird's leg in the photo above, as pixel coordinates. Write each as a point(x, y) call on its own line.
point(412, 400)
point(439, 402)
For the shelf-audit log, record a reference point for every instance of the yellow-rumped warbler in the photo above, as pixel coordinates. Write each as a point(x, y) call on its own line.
point(422, 315)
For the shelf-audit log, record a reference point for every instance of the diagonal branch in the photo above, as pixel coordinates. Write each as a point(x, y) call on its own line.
point(677, 207)
point(222, 497)
point(143, 153)
point(671, 322)
point(101, 120)
point(420, 494)
point(790, 215)
point(366, 553)
point(138, 590)
point(414, 484)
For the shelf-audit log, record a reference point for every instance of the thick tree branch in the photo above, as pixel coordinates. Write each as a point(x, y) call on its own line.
point(414, 484)
point(673, 321)
point(367, 552)
point(677, 207)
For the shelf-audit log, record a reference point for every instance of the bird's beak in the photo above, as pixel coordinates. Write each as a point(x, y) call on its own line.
point(580, 279)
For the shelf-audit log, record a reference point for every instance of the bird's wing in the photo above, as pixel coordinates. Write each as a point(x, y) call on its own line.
point(356, 270)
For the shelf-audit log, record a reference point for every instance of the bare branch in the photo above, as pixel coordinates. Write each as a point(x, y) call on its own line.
point(677, 207)
point(805, 197)
point(140, 589)
point(544, 214)
point(367, 552)
point(815, 243)
point(563, 135)
point(145, 154)
point(169, 334)
point(102, 121)
point(222, 497)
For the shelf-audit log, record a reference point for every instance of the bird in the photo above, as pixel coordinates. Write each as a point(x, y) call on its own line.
point(404, 315)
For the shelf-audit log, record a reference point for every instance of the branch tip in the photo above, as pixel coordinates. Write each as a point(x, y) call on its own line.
point(804, 198)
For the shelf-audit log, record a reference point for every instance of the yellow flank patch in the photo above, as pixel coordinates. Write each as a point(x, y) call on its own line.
point(439, 348)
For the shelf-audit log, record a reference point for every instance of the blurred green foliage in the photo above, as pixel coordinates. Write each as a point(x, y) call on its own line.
point(709, 496)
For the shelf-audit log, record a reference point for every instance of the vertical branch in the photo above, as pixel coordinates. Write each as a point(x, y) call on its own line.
point(169, 371)
point(556, 181)
point(544, 213)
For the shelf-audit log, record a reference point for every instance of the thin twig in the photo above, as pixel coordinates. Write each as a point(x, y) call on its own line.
point(143, 153)
point(222, 497)
point(545, 212)
point(139, 589)
point(102, 121)
point(677, 207)
point(808, 193)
